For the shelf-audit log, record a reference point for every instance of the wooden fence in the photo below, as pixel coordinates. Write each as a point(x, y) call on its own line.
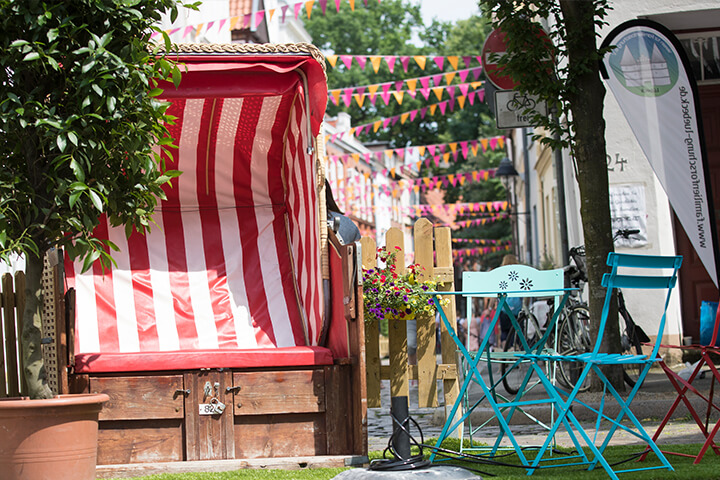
point(12, 298)
point(54, 348)
point(438, 264)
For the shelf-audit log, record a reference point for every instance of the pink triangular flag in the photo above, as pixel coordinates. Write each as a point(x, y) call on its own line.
point(431, 149)
point(481, 94)
point(188, 29)
point(361, 60)
point(451, 91)
point(441, 148)
point(347, 60)
point(437, 80)
point(405, 62)
point(386, 97)
point(337, 5)
point(323, 5)
point(386, 122)
point(395, 119)
point(283, 9)
point(467, 61)
point(413, 114)
point(297, 8)
point(471, 97)
point(464, 148)
point(347, 96)
point(493, 143)
point(476, 72)
point(210, 25)
point(464, 87)
point(439, 61)
point(412, 93)
point(443, 106)
point(390, 60)
point(259, 17)
point(423, 111)
point(462, 75)
point(222, 24)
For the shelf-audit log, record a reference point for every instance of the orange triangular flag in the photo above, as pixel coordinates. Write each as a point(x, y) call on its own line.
point(453, 146)
point(404, 117)
point(373, 89)
point(352, 5)
point(421, 150)
point(233, 22)
point(272, 12)
point(351, 132)
point(476, 84)
point(438, 91)
point(308, 7)
point(420, 60)
point(398, 94)
point(336, 95)
point(461, 101)
point(418, 164)
point(412, 84)
point(461, 178)
point(199, 29)
point(416, 188)
point(501, 142)
point(392, 172)
point(484, 143)
point(474, 149)
point(360, 99)
point(446, 157)
point(356, 157)
point(375, 61)
point(332, 59)
point(376, 125)
point(449, 77)
point(453, 60)
point(389, 153)
point(432, 108)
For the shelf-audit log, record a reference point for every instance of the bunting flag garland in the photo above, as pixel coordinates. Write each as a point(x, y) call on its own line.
point(420, 60)
point(249, 20)
point(443, 108)
point(436, 152)
point(480, 241)
point(429, 183)
point(419, 210)
point(474, 252)
point(359, 94)
point(473, 223)
point(414, 85)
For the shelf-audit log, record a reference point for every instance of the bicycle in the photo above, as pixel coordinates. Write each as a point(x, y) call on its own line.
point(513, 373)
point(574, 329)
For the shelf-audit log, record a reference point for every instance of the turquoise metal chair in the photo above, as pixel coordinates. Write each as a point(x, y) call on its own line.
point(502, 282)
point(627, 272)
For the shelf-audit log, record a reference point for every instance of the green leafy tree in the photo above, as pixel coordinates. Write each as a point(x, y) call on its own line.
point(565, 72)
point(395, 27)
point(78, 118)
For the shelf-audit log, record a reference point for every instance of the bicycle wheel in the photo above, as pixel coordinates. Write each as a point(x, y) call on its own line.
point(514, 374)
point(573, 339)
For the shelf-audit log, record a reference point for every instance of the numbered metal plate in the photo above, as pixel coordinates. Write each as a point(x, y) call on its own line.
point(215, 408)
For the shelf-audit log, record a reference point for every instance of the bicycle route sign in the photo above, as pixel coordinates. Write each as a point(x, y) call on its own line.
point(514, 109)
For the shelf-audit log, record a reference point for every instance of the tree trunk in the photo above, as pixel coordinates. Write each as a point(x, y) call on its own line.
point(34, 367)
point(586, 99)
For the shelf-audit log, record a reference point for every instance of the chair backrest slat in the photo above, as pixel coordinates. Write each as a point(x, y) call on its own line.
point(638, 281)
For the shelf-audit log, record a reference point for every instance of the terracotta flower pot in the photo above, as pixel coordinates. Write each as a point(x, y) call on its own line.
point(50, 439)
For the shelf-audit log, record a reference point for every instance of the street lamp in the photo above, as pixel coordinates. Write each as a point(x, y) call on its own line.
point(507, 173)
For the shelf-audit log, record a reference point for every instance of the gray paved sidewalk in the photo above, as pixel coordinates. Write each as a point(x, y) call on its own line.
point(650, 405)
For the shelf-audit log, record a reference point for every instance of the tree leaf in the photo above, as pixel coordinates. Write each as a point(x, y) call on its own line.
point(97, 202)
point(111, 104)
point(61, 142)
point(77, 170)
point(73, 138)
point(31, 56)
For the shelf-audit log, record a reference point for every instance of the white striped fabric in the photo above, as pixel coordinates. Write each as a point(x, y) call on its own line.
point(235, 259)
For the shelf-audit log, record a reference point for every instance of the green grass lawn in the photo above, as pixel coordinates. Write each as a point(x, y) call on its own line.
point(708, 469)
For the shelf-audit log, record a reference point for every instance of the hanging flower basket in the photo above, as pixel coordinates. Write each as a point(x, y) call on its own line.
point(388, 294)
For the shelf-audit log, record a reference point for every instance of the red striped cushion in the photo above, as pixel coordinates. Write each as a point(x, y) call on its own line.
point(234, 262)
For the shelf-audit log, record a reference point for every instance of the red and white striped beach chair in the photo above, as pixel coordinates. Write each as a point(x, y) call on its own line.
point(229, 299)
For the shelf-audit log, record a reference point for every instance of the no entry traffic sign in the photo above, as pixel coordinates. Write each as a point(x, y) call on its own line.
point(494, 48)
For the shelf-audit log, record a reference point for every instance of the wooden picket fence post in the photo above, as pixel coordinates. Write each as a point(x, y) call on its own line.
point(433, 251)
